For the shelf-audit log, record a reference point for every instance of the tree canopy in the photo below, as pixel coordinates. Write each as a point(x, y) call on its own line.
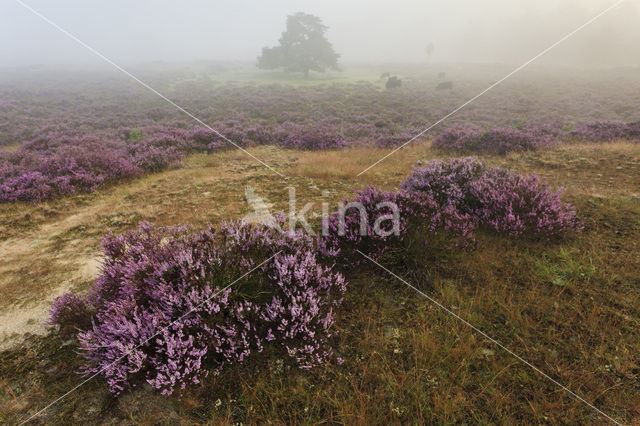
point(303, 47)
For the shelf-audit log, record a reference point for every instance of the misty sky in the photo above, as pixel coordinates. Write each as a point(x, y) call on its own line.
point(134, 31)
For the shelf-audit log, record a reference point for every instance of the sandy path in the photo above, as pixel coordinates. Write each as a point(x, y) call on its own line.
point(35, 269)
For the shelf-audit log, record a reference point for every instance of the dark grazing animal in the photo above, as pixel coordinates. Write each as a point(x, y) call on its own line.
point(445, 85)
point(393, 82)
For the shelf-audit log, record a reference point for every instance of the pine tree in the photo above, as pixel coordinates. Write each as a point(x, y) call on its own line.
point(303, 47)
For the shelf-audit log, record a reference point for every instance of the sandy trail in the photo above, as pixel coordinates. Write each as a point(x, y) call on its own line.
point(35, 269)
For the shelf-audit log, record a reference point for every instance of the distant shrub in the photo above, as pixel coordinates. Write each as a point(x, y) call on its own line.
point(391, 141)
point(393, 83)
point(606, 131)
point(445, 85)
point(208, 139)
point(497, 141)
point(394, 140)
point(319, 137)
point(173, 282)
point(135, 135)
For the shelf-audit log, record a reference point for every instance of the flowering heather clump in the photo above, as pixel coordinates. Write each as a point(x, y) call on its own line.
point(58, 165)
point(514, 205)
point(442, 203)
point(496, 141)
point(445, 181)
point(456, 138)
point(153, 277)
point(55, 164)
point(606, 130)
point(394, 140)
point(317, 137)
point(384, 221)
point(69, 310)
point(494, 197)
point(209, 139)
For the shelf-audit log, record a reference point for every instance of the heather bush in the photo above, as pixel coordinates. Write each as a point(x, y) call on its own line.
point(376, 221)
point(599, 130)
point(441, 203)
point(391, 141)
point(318, 137)
point(513, 204)
point(55, 164)
point(164, 313)
point(69, 310)
point(29, 186)
point(445, 181)
point(497, 141)
point(493, 197)
point(208, 139)
point(398, 137)
point(58, 165)
point(456, 138)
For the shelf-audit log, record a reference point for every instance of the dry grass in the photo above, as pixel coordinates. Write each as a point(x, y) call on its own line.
point(572, 307)
point(347, 164)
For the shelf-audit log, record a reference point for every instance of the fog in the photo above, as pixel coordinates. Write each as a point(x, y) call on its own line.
point(370, 31)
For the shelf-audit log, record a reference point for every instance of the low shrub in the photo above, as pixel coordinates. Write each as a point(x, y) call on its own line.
point(397, 138)
point(606, 131)
point(445, 181)
point(319, 137)
point(497, 141)
point(376, 221)
point(513, 204)
point(59, 165)
point(441, 203)
point(69, 311)
point(162, 309)
point(496, 198)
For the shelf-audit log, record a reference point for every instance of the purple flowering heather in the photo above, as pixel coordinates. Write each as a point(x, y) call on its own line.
point(497, 198)
point(497, 141)
point(445, 181)
point(513, 204)
point(67, 162)
point(154, 278)
point(318, 137)
point(372, 229)
point(605, 131)
point(69, 310)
